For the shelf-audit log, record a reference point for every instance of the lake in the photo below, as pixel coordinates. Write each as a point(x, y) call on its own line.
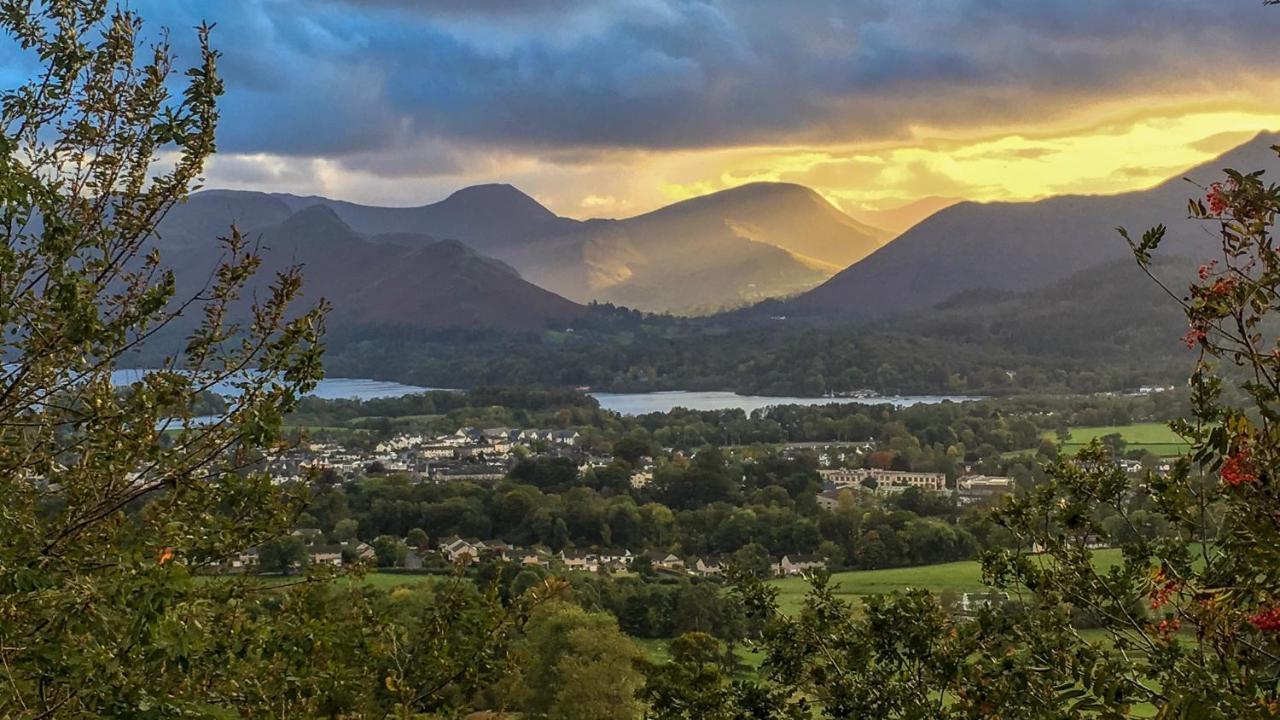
point(327, 389)
point(650, 402)
point(622, 403)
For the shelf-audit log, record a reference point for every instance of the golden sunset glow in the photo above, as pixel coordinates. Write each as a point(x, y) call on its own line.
point(1105, 159)
point(615, 109)
point(1027, 163)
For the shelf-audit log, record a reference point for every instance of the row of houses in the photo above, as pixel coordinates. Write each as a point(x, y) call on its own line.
point(478, 471)
point(330, 554)
point(969, 488)
point(450, 456)
point(515, 436)
point(471, 441)
point(466, 551)
point(786, 566)
point(468, 454)
point(475, 436)
point(884, 482)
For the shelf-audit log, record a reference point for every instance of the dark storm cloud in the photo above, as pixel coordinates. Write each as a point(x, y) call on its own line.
point(362, 79)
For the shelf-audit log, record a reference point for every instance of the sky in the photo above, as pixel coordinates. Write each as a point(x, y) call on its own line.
point(615, 107)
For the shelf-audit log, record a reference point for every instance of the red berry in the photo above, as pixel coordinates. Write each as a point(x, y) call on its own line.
point(1266, 620)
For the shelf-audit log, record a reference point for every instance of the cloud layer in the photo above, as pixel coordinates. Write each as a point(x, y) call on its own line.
point(427, 93)
point(364, 76)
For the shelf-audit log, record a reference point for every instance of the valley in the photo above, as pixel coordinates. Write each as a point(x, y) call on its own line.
point(663, 360)
point(748, 384)
point(485, 287)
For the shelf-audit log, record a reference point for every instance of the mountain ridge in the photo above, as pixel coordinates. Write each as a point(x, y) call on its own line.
point(898, 220)
point(410, 280)
point(771, 239)
point(1018, 246)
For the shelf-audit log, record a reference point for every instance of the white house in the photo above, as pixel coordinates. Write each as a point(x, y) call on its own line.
point(583, 561)
point(325, 555)
point(706, 567)
point(799, 564)
point(977, 487)
point(461, 550)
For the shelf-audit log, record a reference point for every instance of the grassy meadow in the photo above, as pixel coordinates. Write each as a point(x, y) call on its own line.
point(960, 577)
point(1154, 437)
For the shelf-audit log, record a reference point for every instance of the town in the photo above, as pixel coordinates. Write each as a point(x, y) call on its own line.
point(472, 459)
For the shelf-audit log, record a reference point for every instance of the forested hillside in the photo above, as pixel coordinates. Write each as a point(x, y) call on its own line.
point(1108, 327)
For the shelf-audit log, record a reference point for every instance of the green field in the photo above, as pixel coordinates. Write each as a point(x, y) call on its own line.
point(386, 581)
point(959, 577)
point(1154, 437)
point(955, 577)
point(965, 576)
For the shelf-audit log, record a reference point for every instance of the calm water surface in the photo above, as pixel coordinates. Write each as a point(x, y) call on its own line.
point(327, 389)
point(623, 403)
point(641, 403)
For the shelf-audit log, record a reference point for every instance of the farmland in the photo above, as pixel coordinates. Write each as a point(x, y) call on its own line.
point(1156, 438)
point(956, 577)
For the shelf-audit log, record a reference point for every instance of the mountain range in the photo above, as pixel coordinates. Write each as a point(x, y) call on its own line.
point(491, 256)
point(726, 249)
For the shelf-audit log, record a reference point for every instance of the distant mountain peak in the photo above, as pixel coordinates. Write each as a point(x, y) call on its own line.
point(903, 217)
point(316, 217)
point(495, 197)
point(751, 192)
point(787, 216)
point(774, 186)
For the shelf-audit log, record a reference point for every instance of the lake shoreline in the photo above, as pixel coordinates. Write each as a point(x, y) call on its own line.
point(641, 403)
